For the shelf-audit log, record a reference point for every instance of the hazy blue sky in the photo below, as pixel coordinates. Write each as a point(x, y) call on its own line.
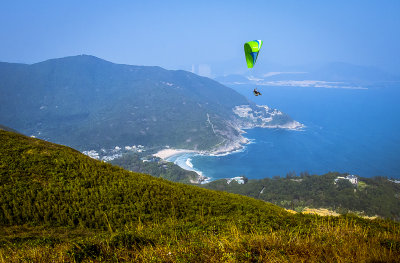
point(177, 34)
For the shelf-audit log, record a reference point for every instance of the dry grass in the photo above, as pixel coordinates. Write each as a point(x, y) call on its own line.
point(327, 240)
point(320, 211)
point(327, 212)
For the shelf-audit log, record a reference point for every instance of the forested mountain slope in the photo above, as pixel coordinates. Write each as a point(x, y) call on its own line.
point(89, 103)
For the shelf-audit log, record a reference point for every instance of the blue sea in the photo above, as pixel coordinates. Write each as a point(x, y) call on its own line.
point(354, 131)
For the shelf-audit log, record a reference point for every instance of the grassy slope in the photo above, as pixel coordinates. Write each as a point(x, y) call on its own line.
point(59, 205)
point(46, 182)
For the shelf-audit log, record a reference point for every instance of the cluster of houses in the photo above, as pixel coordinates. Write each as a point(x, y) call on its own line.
point(238, 179)
point(351, 178)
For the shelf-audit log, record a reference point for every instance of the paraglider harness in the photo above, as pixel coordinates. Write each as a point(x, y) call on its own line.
point(256, 92)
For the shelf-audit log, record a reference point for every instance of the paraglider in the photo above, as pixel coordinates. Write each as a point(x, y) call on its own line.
point(256, 92)
point(251, 50)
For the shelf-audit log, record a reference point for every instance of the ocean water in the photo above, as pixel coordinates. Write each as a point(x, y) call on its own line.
point(354, 131)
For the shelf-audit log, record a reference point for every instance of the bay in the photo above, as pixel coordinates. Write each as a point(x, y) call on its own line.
point(352, 131)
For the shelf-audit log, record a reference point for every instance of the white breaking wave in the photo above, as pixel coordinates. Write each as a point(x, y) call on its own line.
point(189, 162)
point(184, 161)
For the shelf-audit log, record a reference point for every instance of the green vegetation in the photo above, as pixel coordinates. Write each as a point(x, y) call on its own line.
point(57, 205)
point(372, 196)
point(44, 183)
point(155, 167)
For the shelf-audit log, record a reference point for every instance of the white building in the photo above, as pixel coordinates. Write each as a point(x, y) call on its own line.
point(352, 179)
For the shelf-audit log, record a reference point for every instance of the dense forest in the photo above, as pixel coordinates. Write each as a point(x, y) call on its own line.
point(371, 196)
point(58, 205)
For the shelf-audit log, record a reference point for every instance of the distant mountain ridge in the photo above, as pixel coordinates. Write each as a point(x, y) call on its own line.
point(333, 72)
point(89, 103)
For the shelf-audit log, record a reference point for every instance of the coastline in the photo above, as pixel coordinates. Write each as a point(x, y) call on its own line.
point(174, 155)
point(234, 144)
point(168, 153)
point(239, 145)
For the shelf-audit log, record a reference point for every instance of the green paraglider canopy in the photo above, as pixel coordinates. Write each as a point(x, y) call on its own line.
point(251, 50)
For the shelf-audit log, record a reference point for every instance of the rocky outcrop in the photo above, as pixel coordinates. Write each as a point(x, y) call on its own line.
point(264, 117)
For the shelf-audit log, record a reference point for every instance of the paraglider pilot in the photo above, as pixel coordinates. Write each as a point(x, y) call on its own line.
point(256, 92)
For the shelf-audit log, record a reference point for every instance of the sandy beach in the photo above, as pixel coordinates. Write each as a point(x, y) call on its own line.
point(187, 165)
point(166, 153)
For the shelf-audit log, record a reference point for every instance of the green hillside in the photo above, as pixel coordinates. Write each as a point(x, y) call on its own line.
point(89, 103)
point(59, 205)
point(44, 183)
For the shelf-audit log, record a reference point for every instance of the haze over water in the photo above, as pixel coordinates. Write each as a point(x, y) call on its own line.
point(352, 131)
